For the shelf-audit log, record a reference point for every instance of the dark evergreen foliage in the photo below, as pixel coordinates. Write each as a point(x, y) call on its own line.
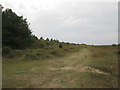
point(41, 38)
point(60, 45)
point(15, 30)
point(16, 33)
point(47, 39)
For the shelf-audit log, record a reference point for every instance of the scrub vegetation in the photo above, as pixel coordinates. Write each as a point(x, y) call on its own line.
point(32, 62)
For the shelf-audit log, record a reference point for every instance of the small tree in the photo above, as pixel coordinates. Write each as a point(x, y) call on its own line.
point(41, 38)
point(6, 50)
point(34, 37)
point(114, 44)
point(47, 39)
point(15, 30)
point(60, 45)
point(51, 40)
point(57, 40)
point(47, 43)
point(67, 43)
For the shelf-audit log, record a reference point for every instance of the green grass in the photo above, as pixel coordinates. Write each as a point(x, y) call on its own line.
point(77, 69)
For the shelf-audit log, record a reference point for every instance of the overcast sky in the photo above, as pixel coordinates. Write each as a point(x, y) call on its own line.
point(70, 20)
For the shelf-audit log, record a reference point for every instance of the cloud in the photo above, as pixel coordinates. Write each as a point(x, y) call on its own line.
point(74, 21)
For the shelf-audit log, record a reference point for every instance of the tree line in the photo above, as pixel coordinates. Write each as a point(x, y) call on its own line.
point(16, 33)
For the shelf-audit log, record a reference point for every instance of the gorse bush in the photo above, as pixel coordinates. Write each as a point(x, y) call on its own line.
point(114, 44)
point(6, 50)
point(38, 44)
point(18, 52)
point(47, 39)
point(48, 43)
point(56, 53)
point(9, 53)
point(31, 56)
point(60, 45)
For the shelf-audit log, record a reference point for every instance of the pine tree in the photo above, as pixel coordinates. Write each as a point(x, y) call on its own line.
point(15, 30)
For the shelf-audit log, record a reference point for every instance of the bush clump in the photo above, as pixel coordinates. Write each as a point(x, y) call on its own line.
point(6, 50)
point(56, 53)
point(114, 44)
point(18, 52)
point(31, 56)
point(60, 45)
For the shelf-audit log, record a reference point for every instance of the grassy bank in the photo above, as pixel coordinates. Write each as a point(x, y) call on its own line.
point(41, 49)
point(86, 67)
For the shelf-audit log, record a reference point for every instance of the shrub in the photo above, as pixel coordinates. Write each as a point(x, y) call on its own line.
point(6, 50)
point(31, 56)
point(47, 43)
point(18, 52)
point(42, 45)
point(68, 43)
point(48, 56)
point(40, 53)
point(56, 53)
point(60, 45)
point(38, 44)
point(14, 53)
point(16, 32)
point(66, 49)
point(11, 55)
point(41, 38)
point(47, 39)
point(114, 44)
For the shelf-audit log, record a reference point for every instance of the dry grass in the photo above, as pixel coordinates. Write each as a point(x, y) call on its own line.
point(91, 67)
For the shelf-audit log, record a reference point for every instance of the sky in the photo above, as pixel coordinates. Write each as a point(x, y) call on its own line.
point(72, 21)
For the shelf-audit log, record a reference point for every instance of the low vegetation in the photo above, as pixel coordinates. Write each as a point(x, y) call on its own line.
point(18, 40)
point(31, 62)
point(90, 67)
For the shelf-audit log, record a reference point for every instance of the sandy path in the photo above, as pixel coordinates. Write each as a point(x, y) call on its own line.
point(61, 72)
